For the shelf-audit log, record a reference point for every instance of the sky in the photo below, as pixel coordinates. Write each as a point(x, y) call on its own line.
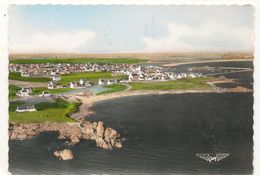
point(130, 28)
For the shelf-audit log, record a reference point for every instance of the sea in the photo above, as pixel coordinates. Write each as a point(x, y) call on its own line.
point(161, 136)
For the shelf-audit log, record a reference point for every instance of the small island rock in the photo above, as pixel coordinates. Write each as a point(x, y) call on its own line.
point(65, 154)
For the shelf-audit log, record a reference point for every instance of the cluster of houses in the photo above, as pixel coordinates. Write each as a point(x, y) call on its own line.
point(26, 92)
point(82, 83)
point(41, 70)
point(53, 69)
point(135, 72)
point(141, 76)
point(103, 82)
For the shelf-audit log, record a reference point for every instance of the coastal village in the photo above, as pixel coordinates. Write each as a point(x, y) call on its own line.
point(66, 113)
point(132, 72)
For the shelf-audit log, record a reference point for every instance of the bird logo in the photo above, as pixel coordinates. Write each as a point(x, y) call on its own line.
point(210, 157)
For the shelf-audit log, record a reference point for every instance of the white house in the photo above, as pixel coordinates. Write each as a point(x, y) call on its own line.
point(25, 74)
point(53, 72)
point(73, 84)
point(56, 77)
point(130, 77)
point(25, 109)
point(82, 83)
point(24, 92)
point(100, 82)
point(45, 94)
point(52, 85)
point(133, 77)
point(106, 82)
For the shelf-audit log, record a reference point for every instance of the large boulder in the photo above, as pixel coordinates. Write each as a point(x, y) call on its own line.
point(118, 144)
point(102, 143)
point(100, 129)
point(65, 154)
point(74, 140)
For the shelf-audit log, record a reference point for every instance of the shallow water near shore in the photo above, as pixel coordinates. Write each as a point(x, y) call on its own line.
point(162, 134)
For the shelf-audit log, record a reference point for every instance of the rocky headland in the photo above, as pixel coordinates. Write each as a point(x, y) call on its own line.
point(106, 138)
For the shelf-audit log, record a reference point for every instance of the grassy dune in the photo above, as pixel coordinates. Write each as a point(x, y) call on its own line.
point(77, 60)
point(182, 84)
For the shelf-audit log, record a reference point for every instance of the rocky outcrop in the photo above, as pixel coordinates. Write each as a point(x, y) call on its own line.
point(100, 129)
point(83, 112)
point(106, 138)
point(65, 154)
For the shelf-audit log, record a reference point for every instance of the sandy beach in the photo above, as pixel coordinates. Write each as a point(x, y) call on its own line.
point(90, 100)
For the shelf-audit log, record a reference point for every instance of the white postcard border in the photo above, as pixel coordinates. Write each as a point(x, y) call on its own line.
point(4, 60)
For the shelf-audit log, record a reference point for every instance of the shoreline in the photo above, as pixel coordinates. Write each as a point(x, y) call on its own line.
point(198, 62)
point(105, 137)
point(91, 100)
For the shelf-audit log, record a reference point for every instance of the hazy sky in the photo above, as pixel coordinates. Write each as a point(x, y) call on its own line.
point(129, 28)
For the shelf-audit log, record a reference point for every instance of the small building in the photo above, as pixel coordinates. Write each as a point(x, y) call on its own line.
point(133, 77)
point(45, 94)
point(53, 72)
point(103, 82)
point(73, 84)
point(52, 85)
point(25, 109)
point(24, 92)
point(56, 77)
point(82, 83)
point(106, 82)
point(100, 81)
point(25, 74)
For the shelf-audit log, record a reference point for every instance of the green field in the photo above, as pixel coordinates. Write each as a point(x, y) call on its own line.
point(77, 60)
point(38, 91)
point(12, 91)
point(58, 111)
point(89, 76)
point(181, 84)
point(14, 104)
point(113, 88)
point(17, 76)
